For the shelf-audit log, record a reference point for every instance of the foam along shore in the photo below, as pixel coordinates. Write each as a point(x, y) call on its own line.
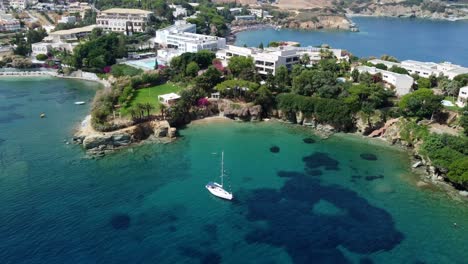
point(98, 143)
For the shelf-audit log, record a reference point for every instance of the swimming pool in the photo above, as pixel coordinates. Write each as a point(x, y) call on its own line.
point(145, 64)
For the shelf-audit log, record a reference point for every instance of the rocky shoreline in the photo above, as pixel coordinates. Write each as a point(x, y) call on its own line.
point(98, 144)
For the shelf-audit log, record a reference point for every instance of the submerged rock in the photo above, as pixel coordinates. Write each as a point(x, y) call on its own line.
point(373, 177)
point(309, 140)
point(274, 149)
point(120, 221)
point(368, 156)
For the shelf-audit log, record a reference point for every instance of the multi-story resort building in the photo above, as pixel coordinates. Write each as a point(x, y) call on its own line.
point(426, 69)
point(260, 13)
point(20, 4)
point(9, 23)
point(79, 7)
point(123, 20)
point(403, 83)
point(269, 59)
point(266, 61)
point(182, 36)
point(61, 40)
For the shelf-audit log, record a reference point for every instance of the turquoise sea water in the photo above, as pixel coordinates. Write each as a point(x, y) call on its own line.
point(308, 203)
point(417, 39)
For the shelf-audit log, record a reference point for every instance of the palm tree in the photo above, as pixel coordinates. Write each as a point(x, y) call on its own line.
point(140, 108)
point(133, 113)
point(148, 107)
point(305, 59)
point(162, 108)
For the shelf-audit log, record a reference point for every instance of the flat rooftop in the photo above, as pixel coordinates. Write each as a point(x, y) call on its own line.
point(126, 11)
point(73, 31)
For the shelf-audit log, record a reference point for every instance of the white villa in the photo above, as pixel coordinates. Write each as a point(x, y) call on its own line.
point(123, 20)
point(168, 98)
point(182, 36)
point(462, 99)
point(426, 69)
point(403, 83)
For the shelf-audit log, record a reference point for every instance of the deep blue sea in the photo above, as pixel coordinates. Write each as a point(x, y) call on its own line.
point(404, 38)
point(341, 200)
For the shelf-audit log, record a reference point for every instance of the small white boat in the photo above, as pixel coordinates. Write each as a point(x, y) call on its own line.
point(218, 189)
point(80, 103)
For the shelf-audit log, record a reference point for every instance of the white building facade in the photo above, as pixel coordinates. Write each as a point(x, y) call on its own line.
point(9, 25)
point(462, 99)
point(123, 20)
point(426, 69)
point(266, 61)
point(61, 40)
point(269, 59)
point(182, 36)
point(403, 83)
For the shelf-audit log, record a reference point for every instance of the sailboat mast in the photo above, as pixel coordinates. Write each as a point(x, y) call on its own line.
point(222, 168)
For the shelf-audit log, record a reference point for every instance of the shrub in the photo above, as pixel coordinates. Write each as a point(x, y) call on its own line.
point(41, 57)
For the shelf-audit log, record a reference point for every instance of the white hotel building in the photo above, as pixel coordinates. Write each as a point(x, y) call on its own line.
point(426, 69)
point(403, 83)
point(182, 36)
point(269, 59)
point(123, 20)
point(266, 61)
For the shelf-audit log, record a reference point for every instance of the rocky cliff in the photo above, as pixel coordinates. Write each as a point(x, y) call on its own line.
point(99, 143)
point(240, 111)
point(402, 10)
point(338, 22)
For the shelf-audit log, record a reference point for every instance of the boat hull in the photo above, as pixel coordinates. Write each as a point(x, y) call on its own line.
point(218, 191)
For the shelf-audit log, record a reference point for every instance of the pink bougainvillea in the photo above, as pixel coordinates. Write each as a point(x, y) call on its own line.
point(106, 69)
point(203, 102)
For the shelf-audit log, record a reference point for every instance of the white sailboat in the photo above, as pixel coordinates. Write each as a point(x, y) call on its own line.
point(217, 189)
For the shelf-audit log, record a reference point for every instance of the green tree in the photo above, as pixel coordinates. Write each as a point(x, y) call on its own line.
point(305, 59)
point(261, 46)
point(458, 171)
point(464, 120)
point(355, 75)
point(422, 103)
point(462, 79)
point(381, 66)
point(399, 70)
point(282, 79)
point(309, 81)
point(209, 79)
point(241, 66)
point(388, 58)
point(423, 83)
point(192, 69)
point(148, 107)
point(264, 97)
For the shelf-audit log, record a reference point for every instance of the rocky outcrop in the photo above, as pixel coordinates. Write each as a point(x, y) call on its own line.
point(98, 143)
point(320, 22)
point(403, 10)
point(366, 124)
point(241, 111)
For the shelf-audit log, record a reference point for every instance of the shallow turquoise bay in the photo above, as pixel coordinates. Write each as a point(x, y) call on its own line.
point(148, 204)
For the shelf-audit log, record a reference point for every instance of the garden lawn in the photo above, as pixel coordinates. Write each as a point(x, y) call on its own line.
point(150, 95)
